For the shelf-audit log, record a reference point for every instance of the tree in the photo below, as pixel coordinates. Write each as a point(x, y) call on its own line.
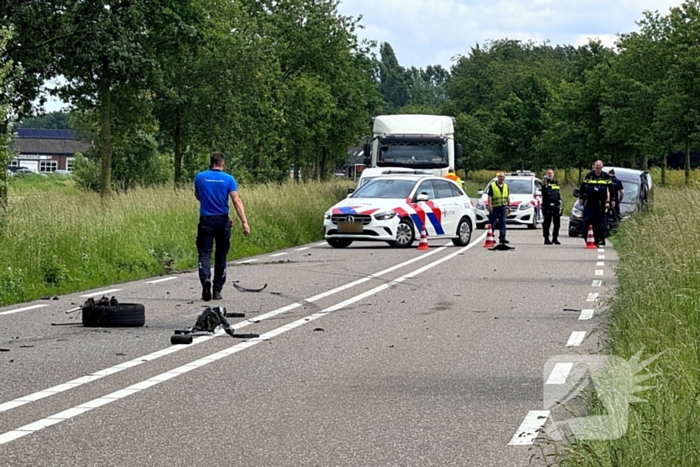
point(6, 90)
point(52, 121)
point(393, 79)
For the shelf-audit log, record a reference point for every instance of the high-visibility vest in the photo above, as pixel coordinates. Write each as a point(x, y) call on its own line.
point(454, 177)
point(499, 197)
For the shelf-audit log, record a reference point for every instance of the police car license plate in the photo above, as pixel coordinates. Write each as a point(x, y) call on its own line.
point(349, 227)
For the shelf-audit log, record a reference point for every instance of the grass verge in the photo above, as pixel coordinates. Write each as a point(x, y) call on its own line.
point(64, 240)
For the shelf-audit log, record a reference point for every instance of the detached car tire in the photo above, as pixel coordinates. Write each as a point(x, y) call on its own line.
point(123, 315)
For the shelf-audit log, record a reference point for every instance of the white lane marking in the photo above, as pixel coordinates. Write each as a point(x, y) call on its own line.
point(247, 261)
point(278, 254)
point(576, 338)
point(302, 249)
point(322, 244)
point(559, 373)
point(165, 279)
point(597, 283)
point(529, 428)
point(601, 250)
point(135, 388)
point(102, 292)
point(601, 256)
point(197, 340)
point(599, 272)
point(592, 297)
point(586, 314)
point(26, 308)
point(600, 264)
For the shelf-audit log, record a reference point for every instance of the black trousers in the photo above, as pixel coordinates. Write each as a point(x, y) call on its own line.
point(594, 214)
point(210, 231)
point(551, 217)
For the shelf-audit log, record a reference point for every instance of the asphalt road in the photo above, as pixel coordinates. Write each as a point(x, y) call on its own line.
point(367, 356)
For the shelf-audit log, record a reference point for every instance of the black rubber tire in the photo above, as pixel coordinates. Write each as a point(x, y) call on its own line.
point(176, 339)
point(124, 315)
point(405, 233)
point(339, 242)
point(464, 233)
point(533, 226)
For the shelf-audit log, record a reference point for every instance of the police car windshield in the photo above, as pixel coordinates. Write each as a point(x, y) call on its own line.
point(399, 189)
point(519, 186)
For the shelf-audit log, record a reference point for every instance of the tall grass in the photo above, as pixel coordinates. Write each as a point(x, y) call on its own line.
point(657, 309)
point(64, 240)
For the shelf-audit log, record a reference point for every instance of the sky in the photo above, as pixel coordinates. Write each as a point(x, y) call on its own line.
point(433, 32)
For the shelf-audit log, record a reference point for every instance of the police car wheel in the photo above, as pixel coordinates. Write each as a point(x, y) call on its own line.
point(404, 234)
point(339, 242)
point(534, 224)
point(464, 233)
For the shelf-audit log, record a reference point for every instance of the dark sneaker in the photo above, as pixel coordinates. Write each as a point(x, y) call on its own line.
point(217, 295)
point(206, 290)
point(547, 242)
point(556, 241)
point(503, 240)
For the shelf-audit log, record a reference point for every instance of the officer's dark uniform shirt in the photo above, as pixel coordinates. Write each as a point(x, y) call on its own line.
point(551, 198)
point(595, 188)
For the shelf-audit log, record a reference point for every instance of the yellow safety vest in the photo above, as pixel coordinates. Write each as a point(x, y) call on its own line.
point(498, 197)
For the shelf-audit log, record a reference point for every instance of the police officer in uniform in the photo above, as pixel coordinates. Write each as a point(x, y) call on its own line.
point(594, 195)
point(551, 208)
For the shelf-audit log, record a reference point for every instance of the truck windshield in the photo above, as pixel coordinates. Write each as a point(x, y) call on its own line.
point(415, 154)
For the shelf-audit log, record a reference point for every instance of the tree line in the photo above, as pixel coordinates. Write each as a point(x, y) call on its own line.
point(155, 85)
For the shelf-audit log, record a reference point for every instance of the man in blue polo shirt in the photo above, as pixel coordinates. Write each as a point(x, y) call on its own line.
point(213, 188)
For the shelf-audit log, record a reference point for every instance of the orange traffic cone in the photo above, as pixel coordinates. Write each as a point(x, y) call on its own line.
point(489, 238)
point(423, 245)
point(590, 240)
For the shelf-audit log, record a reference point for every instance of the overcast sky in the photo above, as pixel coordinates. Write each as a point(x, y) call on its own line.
point(431, 32)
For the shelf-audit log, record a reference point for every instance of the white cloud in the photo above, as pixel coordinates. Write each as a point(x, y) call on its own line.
point(430, 32)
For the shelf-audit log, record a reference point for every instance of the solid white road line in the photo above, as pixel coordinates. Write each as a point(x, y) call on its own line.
point(529, 428)
point(599, 272)
point(322, 244)
point(197, 340)
point(559, 373)
point(103, 292)
point(26, 308)
point(592, 297)
point(157, 281)
point(278, 254)
point(138, 387)
point(600, 264)
point(302, 249)
point(586, 314)
point(576, 338)
point(597, 283)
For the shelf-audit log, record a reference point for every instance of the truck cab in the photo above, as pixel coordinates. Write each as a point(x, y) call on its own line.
point(413, 142)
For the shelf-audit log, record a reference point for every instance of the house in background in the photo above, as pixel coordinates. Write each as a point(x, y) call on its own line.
point(355, 162)
point(44, 150)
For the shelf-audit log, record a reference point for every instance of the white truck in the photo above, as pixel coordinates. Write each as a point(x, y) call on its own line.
point(413, 142)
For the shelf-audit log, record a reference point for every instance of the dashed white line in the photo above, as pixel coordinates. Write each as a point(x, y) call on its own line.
point(26, 308)
point(599, 272)
point(576, 338)
point(529, 428)
point(592, 297)
point(559, 373)
point(247, 261)
point(146, 358)
point(600, 264)
point(586, 314)
point(135, 388)
point(165, 279)
point(278, 254)
point(102, 292)
point(601, 250)
point(322, 244)
point(302, 249)
point(601, 256)
point(596, 283)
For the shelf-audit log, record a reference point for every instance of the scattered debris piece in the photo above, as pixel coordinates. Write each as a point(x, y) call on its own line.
point(244, 289)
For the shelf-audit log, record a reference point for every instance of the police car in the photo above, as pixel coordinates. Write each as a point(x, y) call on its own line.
point(525, 191)
point(395, 208)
